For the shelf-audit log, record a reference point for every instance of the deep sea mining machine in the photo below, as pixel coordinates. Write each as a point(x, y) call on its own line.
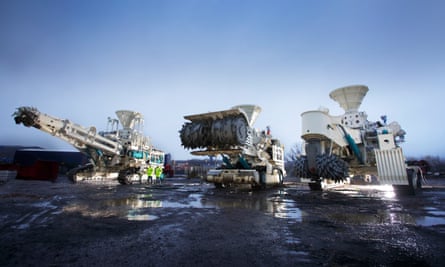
point(122, 153)
point(338, 148)
point(249, 156)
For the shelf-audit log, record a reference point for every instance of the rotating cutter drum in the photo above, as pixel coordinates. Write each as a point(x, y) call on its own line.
point(219, 133)
point(241, 129)
point(328, 166)
point(26, 115)
point(190, 133)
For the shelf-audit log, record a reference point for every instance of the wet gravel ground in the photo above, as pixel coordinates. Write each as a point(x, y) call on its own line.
point(183, 222)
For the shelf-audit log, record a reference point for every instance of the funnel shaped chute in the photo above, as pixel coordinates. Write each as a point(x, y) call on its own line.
point(349, 97)
point(128, 118)
point(251, 112)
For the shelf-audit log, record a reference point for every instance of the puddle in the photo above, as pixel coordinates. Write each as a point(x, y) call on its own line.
point(381, 217)
point(141, 217)
point(437, 212)
point(395, 212)
point(392, 215)
point(193, 201)
point(368, 191)
point(291, 240)
point(135, 208)
point(143, 201)
point(430, 221)
point(276, 203)
point(140, 207)
point(286, 209)
point(434, 217)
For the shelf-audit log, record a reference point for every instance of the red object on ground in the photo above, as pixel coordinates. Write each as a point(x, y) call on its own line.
point(40, 170)
point(168, 170)
point(8, 167)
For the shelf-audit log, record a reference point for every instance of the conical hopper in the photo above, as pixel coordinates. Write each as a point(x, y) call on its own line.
point(349, 97)
point(251, 112)
point(127, 117)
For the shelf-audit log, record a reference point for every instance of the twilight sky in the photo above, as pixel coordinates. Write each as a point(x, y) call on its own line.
point(83, 60)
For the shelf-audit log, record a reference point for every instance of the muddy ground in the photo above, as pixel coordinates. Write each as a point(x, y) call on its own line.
point(187, 223)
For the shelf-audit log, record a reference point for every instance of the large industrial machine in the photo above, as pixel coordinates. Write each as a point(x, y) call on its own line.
point(122, 153)
point(249, 156)
point(336, 148)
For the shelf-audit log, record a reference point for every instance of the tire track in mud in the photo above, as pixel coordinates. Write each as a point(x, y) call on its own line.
point(39, 214)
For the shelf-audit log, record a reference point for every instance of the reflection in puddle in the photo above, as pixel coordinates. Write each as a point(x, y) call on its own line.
point(436, 212)
point(140, 207)
point(368, 191)
point(394, 212)
point(134, 208)
point(133, 216)
point(430, 221)
point(433, 217)
point(193, 201)
point(381, 217)
point(279, 204)
point(285, 209)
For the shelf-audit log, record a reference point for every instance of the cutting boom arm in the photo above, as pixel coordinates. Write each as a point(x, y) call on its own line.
point(78, 136)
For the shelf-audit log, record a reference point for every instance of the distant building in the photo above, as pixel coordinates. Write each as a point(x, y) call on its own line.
point(39, 163)
point(7, 153)
point(66, 160)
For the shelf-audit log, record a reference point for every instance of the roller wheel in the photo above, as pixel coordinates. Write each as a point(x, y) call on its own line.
point(124, 177)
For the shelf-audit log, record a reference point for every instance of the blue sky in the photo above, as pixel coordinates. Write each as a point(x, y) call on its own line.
point(83, 60)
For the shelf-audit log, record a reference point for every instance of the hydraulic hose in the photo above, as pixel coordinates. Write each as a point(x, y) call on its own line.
point(352, 145)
